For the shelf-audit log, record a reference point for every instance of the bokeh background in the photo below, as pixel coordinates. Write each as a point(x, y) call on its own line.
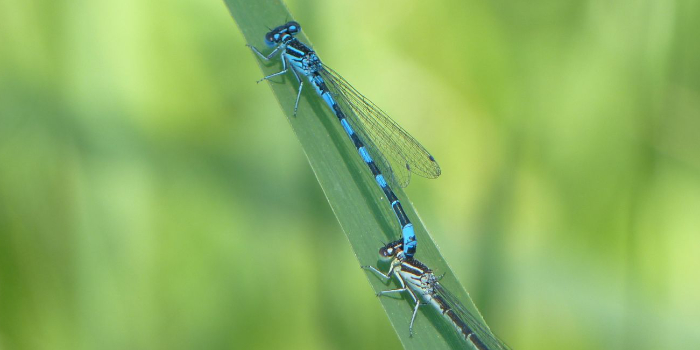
point(153, 196)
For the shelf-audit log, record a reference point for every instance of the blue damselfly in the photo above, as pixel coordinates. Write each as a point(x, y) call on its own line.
point(383, 145)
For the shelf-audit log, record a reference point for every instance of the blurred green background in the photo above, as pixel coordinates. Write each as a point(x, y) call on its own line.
point(153, 196)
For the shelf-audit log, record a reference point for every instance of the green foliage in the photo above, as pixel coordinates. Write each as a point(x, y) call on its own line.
point(153, 197)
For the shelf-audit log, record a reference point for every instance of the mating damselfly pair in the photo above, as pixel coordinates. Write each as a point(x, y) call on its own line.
point(391, 155)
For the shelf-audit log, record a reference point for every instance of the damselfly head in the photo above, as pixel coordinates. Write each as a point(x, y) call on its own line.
point(391, 249)
point(282, 33)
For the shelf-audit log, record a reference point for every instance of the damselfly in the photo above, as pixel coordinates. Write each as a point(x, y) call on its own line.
point(383, 145)
point(418, 281)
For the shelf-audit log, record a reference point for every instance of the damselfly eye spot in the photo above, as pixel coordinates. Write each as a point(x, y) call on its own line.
point(386, 252)
point(293, 27)
point(270, 39)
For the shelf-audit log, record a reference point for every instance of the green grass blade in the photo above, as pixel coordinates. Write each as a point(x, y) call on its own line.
point(356, 200)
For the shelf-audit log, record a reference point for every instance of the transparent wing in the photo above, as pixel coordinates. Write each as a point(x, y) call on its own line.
point(401, 151)
point(396, 174)
point(482, 331)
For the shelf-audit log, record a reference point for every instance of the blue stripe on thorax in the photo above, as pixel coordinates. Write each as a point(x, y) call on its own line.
point(298, 52)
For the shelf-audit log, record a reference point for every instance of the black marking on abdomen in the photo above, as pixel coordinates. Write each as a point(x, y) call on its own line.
point(461, 326)
point(357, 142)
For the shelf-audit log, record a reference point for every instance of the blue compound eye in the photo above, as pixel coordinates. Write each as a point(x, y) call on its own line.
point(269, 40)
point(293, 27)
point(272, 38)
point(386, 251)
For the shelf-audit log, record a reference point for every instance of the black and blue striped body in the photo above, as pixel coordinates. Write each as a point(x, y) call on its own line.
point(305, 62)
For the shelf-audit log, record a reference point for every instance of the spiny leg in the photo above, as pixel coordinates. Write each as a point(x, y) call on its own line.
point(260, 54)
point(273, 75)
point(284, 70)
point(384, 292)
point(268, 57)
point(379, 273)
point(296, 104)
point(387, 277)
point(415, 300)
point(413, 318)
point(413, 296)
point(301, 86)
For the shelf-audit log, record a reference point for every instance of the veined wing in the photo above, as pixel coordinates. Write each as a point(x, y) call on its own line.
point(481, 330)
point(395, 171)
point(401, 150)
